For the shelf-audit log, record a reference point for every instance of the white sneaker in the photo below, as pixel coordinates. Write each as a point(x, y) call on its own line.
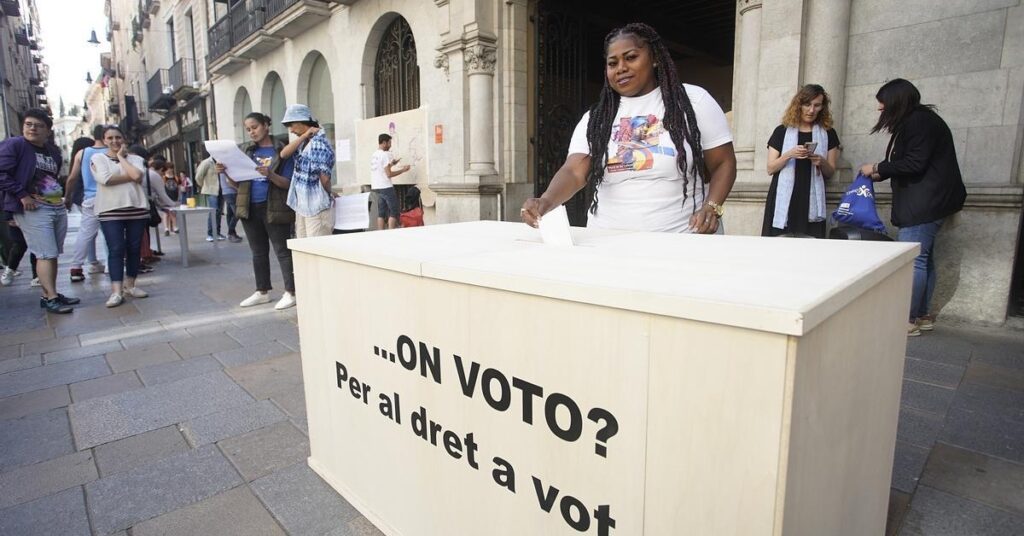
point(114, 300)
point(258, 298)
point(97, 268)
point(7, 277)
point(209, 238)
point(35, 282)
point(287, 301)
point(134, 292)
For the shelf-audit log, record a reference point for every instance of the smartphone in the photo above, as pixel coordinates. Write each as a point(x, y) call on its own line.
point(811, 146)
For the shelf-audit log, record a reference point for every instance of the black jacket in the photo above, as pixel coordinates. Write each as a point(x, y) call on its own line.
point(921, 163)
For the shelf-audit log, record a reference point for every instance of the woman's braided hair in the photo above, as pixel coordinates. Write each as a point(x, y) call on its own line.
point(680, 120)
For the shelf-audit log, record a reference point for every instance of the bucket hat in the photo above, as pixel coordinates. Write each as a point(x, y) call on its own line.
point(297, 113)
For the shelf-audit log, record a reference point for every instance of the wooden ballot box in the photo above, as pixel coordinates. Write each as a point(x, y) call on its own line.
point(466, 380)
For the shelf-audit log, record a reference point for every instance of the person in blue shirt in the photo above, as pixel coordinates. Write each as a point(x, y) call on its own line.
point(310, 193)
point(262, 207)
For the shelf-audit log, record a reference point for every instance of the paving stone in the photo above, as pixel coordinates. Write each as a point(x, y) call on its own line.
point(107, 385)
point(231, 422)
point(145, 317)
point(236, 511)
point(34, 481)
point(264, 379)
point(261, 452)
point(101, 420)
point(44, 377)
point(985, 433)
point(919, 428)
point(120, 501)
point(204, 345)
point(361, 526)
point(302, 502)
point(177, 370)
point(976, 476)
point(131, 452)
point(26, 335)
point(293, 402)
point(947, 346)
point(907, 466)
point(251, 354)
point(20, 363)
point(35, 438)
point(274, 330)
point(932, 373)
point(125, 332)
point(936, 513)
point(213, 327)
point(1001, 351)
point(49, 345)
point(984, 373)
point(996, 401)
point(36, 518)
point(899, 503)
point(135, 358)
point(34, 402)
point(81, 351)
point(926, 397)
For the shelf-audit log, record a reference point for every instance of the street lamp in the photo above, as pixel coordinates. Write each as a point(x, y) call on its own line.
point(88, 78)
point(92, 39)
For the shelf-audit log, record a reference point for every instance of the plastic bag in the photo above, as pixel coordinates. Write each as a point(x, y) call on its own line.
point(857, 207)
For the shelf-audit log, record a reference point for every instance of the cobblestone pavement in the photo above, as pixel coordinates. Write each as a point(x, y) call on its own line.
point(184, 414)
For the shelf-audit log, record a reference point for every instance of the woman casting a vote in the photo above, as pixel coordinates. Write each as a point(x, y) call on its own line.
point(655, 153)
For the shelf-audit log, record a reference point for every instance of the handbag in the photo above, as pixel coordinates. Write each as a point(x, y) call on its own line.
point(857, 207)
point(154, 214)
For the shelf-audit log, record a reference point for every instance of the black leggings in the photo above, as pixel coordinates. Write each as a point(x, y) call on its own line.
point(261, 236)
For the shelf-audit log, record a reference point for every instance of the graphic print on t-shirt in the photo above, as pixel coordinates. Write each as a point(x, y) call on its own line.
point(45, 187)
point(637, 140)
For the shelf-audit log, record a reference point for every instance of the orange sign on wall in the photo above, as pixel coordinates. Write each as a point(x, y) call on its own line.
point(438, 133)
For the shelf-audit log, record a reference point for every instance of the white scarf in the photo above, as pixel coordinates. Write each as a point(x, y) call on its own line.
point(787, 177)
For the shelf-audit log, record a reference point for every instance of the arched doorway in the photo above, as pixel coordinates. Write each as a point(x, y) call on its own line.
point(315, 90)
point(243, 107)
point(396, 79)
point(274, 103)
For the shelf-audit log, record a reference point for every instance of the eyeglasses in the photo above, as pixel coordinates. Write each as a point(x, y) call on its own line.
point(33, 124)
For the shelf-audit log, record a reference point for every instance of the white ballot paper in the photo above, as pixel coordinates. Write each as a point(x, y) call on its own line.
point(351, 212)
point(239, 166)
point(554, 227)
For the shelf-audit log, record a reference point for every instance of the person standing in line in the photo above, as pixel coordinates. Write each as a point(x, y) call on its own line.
point(230, 196)
point(173, 191)
point(155, 191)
point(802, 155)
point(921, 165)
point(89, 227)
point(30, 191)
point(309, 194)
point(208, 182)
point(264, 211)
point(123, 211)
point(382, 170)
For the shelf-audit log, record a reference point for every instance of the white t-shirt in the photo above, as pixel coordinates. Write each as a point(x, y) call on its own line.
point(379, 179)
point(642, 189)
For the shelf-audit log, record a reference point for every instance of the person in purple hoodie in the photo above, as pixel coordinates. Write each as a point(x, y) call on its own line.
point(29, 190)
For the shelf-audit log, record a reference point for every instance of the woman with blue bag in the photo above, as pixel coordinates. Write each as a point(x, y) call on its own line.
point(802, 154)
point(927, 188)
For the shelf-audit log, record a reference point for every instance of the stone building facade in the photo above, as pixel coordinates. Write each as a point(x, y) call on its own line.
point(501, 83)
point(23, 71)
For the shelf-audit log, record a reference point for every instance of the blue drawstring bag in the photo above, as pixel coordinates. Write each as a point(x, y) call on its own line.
point(857, 207)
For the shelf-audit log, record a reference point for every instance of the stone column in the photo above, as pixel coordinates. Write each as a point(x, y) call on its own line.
point(479, 65)
point(827, 31)
point(745, 81)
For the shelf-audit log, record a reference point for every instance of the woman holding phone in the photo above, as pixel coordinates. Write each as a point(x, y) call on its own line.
point(802, 154)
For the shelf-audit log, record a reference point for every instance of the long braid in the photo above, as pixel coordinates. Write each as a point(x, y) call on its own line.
point(680, 120)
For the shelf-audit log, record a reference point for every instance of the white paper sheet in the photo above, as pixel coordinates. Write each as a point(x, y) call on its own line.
point(554, 227)
point(351, 212)
point(344, 150)
point(239, 166)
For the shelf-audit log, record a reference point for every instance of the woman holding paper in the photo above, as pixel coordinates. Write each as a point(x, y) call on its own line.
point(802, 155)
point(262, 207)
point(655, 153)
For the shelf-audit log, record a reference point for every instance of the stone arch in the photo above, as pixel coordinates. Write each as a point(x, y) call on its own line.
point(315, 88)
point(273, 102)
point(370, 54)
point(242, 108)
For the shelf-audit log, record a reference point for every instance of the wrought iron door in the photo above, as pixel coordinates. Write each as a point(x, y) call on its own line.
point(396, 75)
point(561, 73)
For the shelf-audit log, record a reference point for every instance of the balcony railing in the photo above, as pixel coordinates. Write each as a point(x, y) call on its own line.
point(183, 75)
point(159, 87)
point(245, 20)
point(275, 7)
point(21, 36)
point(247, 17)
point(220, 37)
point(12, 8)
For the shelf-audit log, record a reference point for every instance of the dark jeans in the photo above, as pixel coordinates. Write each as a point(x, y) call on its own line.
point(261, 235)
point(124, 239)
point(228, 200)
point(924, 266)
point(216, 202)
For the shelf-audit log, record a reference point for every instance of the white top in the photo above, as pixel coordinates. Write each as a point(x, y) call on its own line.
point(379, 179)
point(777, 285)
point(642, 189)
point(124, 195)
